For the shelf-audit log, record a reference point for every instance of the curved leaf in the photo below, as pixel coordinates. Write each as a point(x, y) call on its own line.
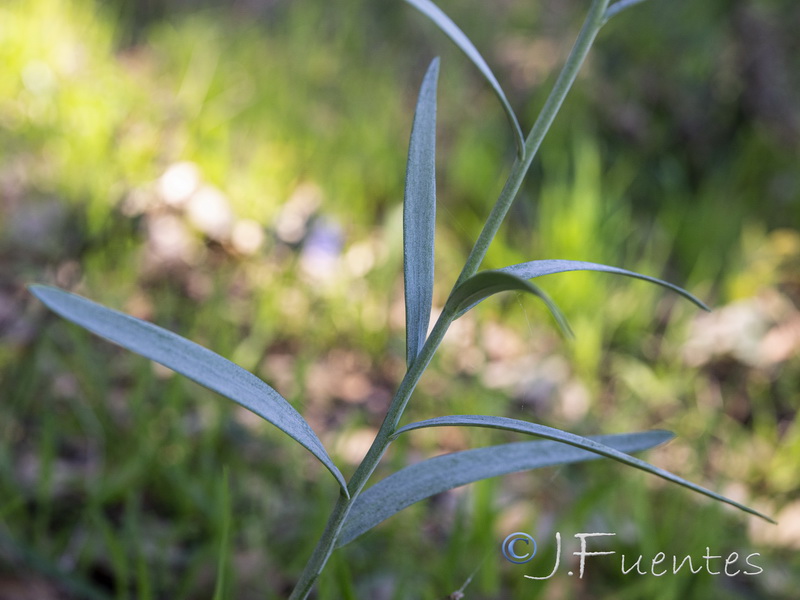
point(192, 360)
point(537, 268)
point(487, 283)
point(618, 7)
point(442, 473)
point(573, 440)
point(451, 30)
point(419, 216)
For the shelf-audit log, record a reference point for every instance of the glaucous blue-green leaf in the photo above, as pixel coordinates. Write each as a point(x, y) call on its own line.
point(537, 268)
point(435, 475)
point(419, 216)
point(487, 283)
point(192, 360)
point(451, 30)
point(573, 440)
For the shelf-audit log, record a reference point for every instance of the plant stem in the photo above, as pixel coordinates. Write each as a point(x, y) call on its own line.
point(323, 549)
point(592, 24)
point(382, 440)
point(569, 72)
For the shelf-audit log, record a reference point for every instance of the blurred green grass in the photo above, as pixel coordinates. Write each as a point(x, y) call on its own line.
point(293, 121)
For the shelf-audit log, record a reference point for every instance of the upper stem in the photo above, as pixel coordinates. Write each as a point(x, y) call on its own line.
point(566, 78)
point(592, 24)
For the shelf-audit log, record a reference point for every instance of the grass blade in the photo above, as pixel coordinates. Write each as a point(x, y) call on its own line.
point(451, 30)
point(192, 360)
point(573, 440)
point(487, 283)
point(442, 473)
point(224, 560)
point(537, 268)
point(419, 215)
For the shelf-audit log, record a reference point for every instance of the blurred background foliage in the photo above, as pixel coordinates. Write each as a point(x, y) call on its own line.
point(233, 171)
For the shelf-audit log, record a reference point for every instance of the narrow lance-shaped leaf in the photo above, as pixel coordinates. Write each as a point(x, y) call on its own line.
point(451, 30)
point(192, 360)
point(487, 283)
point(573, 440)
point(537, 268)
point(419, 215)
point(435, 475)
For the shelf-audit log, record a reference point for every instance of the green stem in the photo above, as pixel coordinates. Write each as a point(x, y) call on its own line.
point(323, 550)
point(592, 24)
point(327, 541)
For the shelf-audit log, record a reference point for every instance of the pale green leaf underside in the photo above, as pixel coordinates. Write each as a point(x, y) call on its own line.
point(192, 360)
point(451, 30)
point(435, 475)
point(419, 216)
point(537, 268)
point(487, 283)
point(573, 440)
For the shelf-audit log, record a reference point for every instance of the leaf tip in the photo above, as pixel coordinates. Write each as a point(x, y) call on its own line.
point(44, 293)
point(667, 436)
point(432, 71)
point(753, 512)
point(36, 289)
